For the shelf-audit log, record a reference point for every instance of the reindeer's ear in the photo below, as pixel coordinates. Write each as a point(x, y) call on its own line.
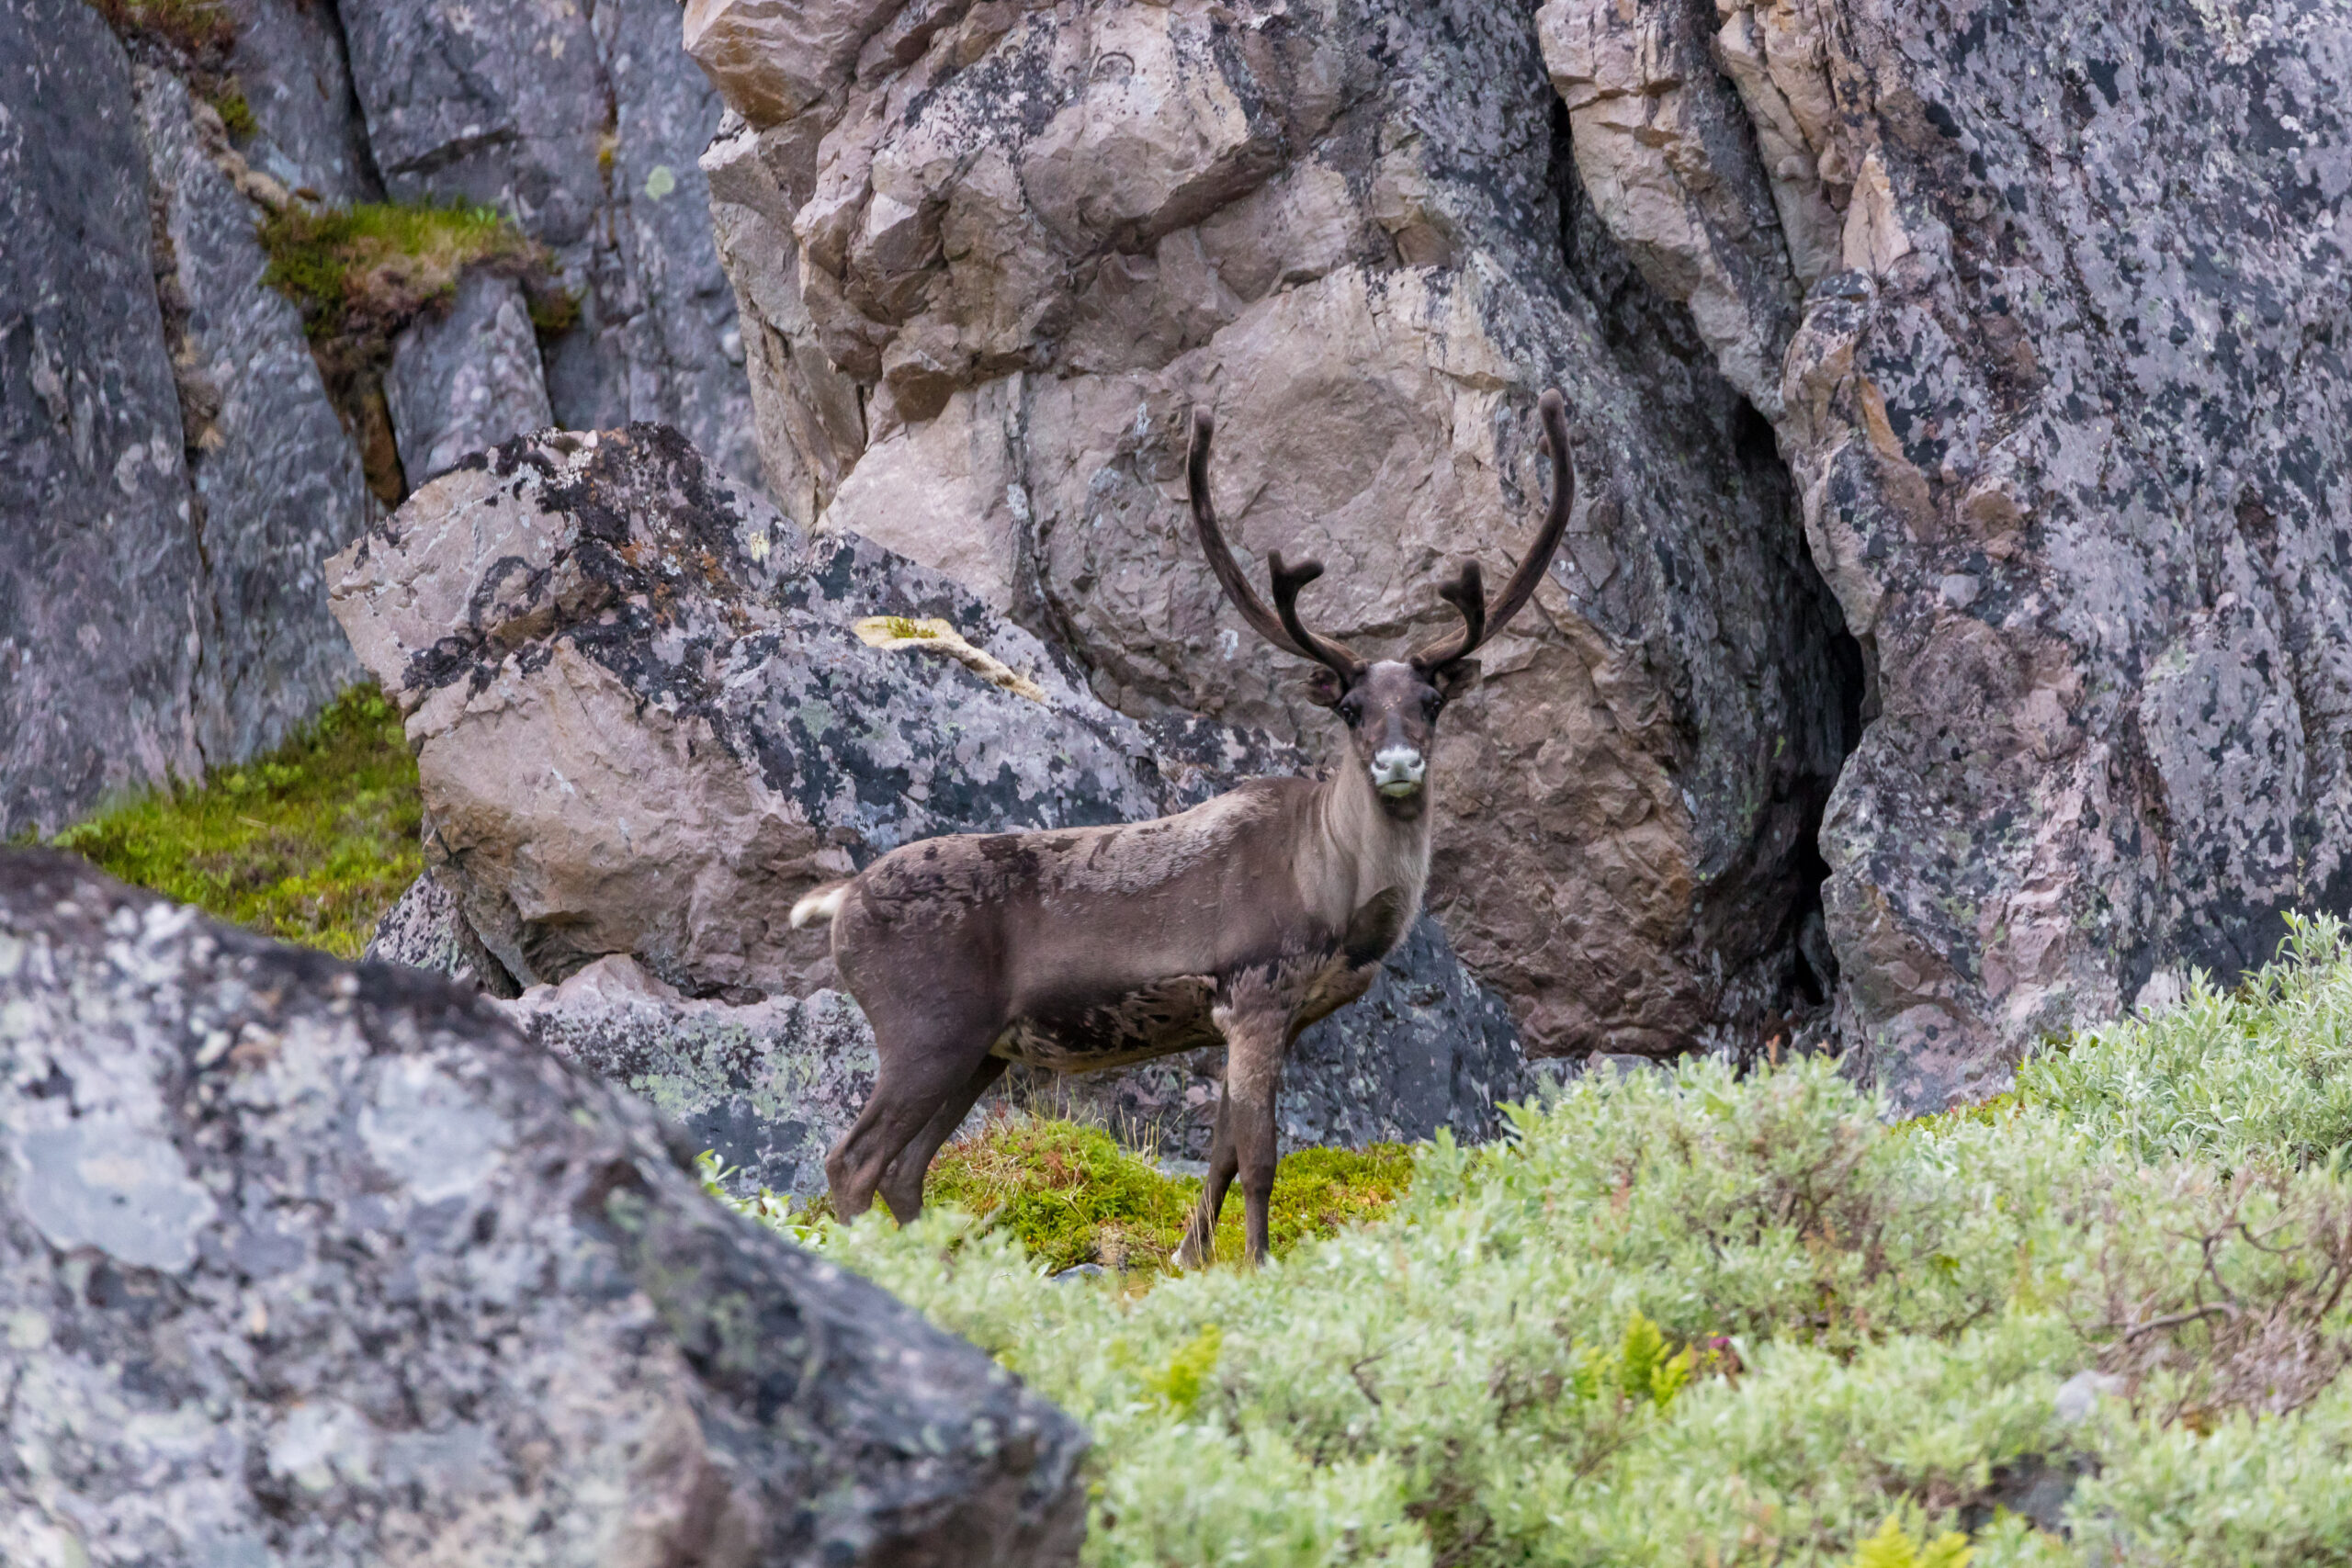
point(1456, 678)
point(1324, 687)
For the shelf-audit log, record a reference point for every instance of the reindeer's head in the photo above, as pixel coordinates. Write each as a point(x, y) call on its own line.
point(1391, 706)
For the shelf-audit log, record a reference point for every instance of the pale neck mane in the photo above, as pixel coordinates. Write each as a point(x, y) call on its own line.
point(1355, 850)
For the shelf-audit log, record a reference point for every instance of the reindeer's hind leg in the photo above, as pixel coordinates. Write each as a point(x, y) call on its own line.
point(902, 1183)
point(918, 1076)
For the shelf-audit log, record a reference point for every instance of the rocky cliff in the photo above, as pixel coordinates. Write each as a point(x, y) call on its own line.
point(1959, 387)
point(2056, 322)
point(175, 467)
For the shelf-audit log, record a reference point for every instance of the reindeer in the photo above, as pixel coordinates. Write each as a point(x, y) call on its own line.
point(1244, 919)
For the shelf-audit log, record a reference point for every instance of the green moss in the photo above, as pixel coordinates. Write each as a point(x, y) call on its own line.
point(236, 114)
point(197, 28)
point(311, 845)
point(1073, 1195)
point(373, 266)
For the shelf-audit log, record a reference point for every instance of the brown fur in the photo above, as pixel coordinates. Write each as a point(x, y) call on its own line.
point(1243, 919)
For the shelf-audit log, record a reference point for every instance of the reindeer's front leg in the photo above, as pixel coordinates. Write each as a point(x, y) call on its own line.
point(1255, 1040)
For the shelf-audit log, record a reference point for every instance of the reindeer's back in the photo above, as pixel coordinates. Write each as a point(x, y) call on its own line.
point(1103, 941)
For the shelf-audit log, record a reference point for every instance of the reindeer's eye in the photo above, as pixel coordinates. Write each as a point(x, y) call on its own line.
point(1433, 703)
point(1351, 709)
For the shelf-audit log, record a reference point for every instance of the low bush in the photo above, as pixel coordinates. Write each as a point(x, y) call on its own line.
point(1706, 1319)
point(310, 844)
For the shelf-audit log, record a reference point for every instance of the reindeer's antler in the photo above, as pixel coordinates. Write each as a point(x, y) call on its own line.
point(1466, 592)
point(1285, 629)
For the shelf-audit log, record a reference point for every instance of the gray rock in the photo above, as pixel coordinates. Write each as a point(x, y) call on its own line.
point(277, 482)
point(99, 603)
point(317, 1264)
point(584, 123)
point(423, 930)
point(466, 378)
point(289, 61)
point(2074, 454)
point(769, 1086)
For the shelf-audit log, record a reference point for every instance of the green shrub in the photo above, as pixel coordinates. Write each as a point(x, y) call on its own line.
point(310, 844)
point(1712, 1320)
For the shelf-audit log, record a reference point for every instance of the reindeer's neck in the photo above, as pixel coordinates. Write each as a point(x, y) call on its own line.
point(1354, 850)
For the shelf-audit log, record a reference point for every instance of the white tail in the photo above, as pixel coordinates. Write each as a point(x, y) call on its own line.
point(823, 904)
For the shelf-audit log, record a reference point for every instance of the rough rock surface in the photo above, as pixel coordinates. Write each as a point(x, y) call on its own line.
point(465, 379)
point(423, 930)
point(289, 61)
point(2066, 405)
point(325, 1264)
point(100, 577)
point(769, 1086)
point(585, 123)
point(990, 255)
point(278, 487)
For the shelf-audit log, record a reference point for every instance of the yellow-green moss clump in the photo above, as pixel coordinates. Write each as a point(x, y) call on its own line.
point(311, 845)
point(201, 31)
point(1070, 1194)
point(369, 269)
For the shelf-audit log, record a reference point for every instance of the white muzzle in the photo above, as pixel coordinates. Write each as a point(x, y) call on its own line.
point(1396, 772)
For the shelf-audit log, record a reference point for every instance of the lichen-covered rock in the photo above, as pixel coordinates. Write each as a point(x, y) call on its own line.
point(768, 1086)
point(309, 1263)
point(584, 123)
point(2067, 409)
point(277, 482)
point(645, 724)
point(990, 263)
point(423, 930)
point(466, 378)
point(100, 578)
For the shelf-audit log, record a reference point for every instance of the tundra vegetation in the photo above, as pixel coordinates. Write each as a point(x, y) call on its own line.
point(1674, 1318)
point(1698, 1318)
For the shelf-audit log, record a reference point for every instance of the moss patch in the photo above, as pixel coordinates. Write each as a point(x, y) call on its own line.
point(368, 270)
point(1072, 1194)
point(311, 845)
point(199, 30)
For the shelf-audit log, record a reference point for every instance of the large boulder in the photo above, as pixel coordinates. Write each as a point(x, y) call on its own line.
point(2066, 403)
point(583, 122)
point(309, 1263)
point(100, 580)
point(995, 254)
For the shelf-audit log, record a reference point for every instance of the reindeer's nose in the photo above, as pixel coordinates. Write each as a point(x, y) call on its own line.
point(1397, 771)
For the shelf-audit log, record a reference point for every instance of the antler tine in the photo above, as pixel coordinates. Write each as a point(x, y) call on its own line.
point(1283, 630)
point(1465, 591)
